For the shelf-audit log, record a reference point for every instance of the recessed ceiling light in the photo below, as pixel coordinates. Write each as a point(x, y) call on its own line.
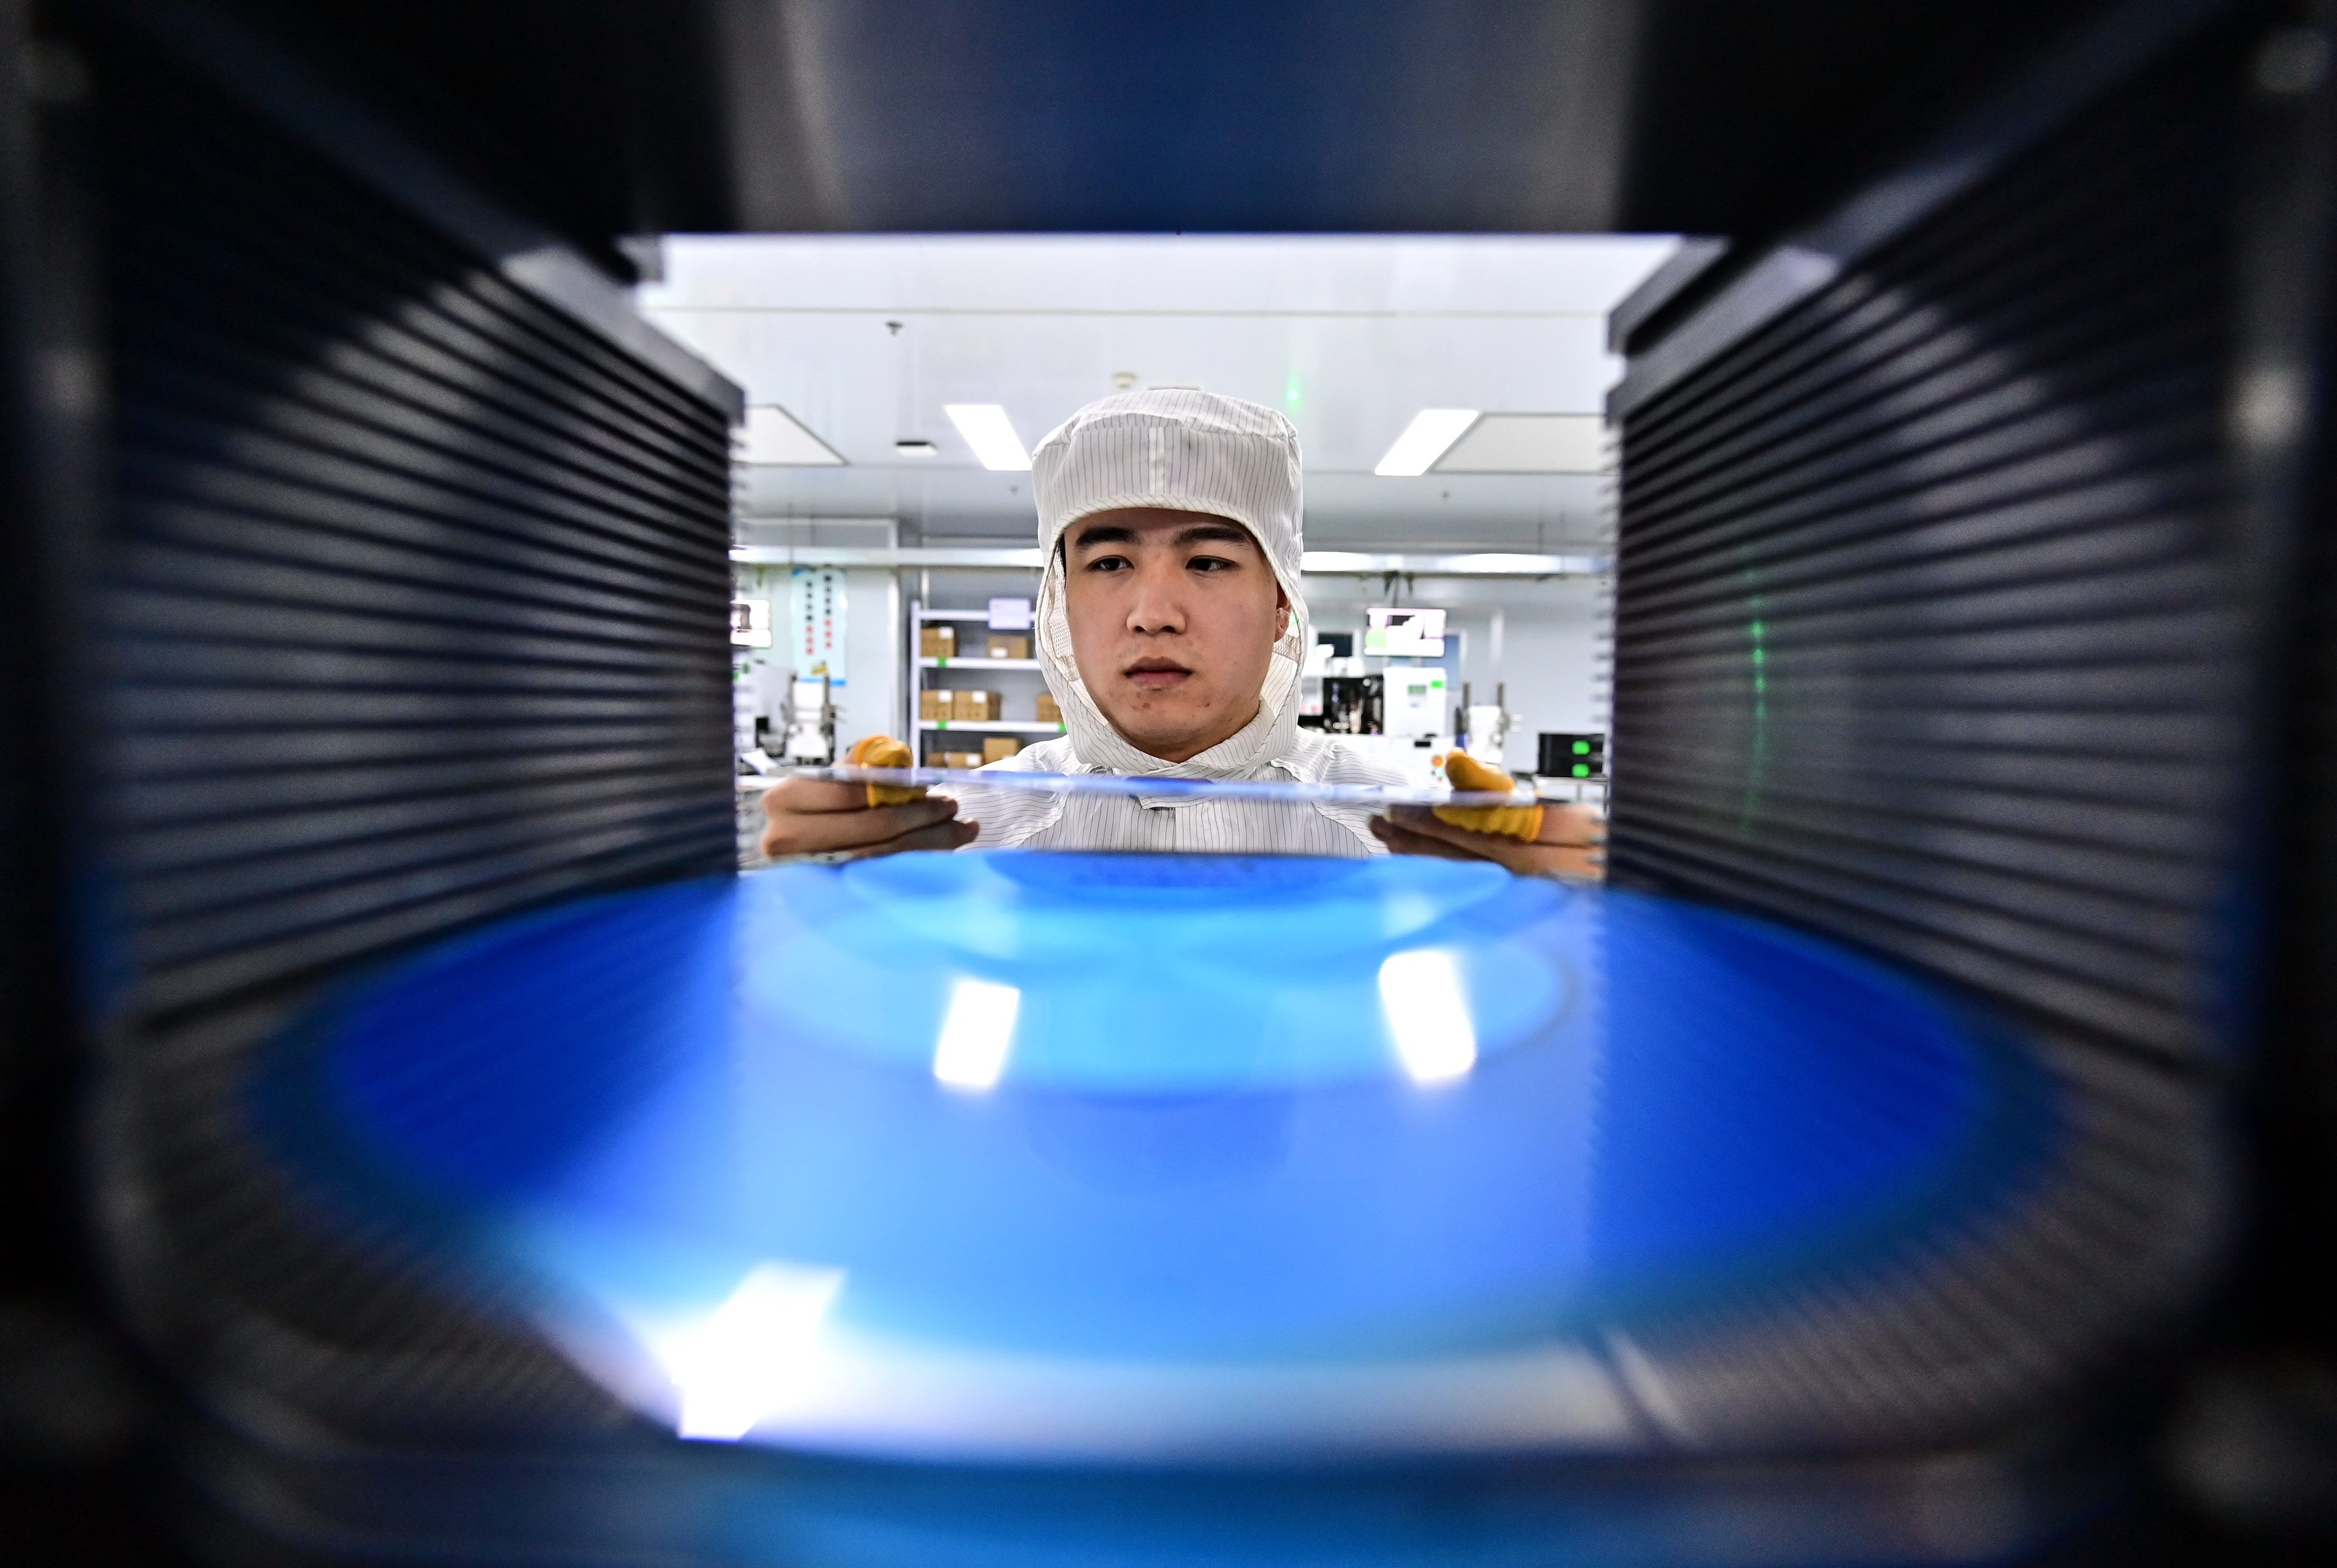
point(1530, 443)
point(774, 439)
point(917, 448)
point(1423, 440)
point(992, 435)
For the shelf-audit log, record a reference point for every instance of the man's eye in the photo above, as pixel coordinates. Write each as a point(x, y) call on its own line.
point(1209, 563)
point(1108, 563)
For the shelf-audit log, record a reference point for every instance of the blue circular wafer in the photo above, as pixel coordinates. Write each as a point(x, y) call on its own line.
point(968, 1134)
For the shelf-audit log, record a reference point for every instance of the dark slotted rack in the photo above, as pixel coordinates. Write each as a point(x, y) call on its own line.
point(1949, 594)
point(415, 599)
point(1930, 628)
point(410, 610)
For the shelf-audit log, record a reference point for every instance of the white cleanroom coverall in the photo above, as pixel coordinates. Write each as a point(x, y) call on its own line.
point(1192, 452)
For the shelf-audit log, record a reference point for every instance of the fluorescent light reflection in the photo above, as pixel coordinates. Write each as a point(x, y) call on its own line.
point(991, 433)
point(755, 1354)
point(976, 1033)
point(1423, 440)
point(1428, 1015)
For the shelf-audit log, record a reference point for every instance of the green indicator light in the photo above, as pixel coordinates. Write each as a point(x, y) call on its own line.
point(1582, 770)
point(1582, 748)
point(1760, 656)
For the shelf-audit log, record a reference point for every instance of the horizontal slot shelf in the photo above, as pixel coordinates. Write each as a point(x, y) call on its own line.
point(992, 726)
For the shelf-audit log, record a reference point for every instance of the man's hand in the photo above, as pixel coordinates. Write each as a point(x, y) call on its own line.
point(1569, 843)
point(810, 816)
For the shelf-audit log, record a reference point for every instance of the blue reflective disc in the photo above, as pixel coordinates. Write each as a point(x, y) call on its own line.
point(1051, 1156)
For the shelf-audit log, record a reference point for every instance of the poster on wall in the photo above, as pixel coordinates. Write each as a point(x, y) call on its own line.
point(815, 622)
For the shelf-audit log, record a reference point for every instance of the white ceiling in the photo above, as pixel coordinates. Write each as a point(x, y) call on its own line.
point(1348, 336)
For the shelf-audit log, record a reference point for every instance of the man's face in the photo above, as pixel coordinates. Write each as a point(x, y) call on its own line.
point(1174, 617)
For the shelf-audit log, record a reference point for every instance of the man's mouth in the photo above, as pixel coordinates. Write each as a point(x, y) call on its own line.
point(1155, 673)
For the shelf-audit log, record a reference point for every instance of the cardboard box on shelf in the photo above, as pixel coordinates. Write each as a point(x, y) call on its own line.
point(967, 759)
point(937, 642)
point(929, 703)
point(999, 748)
point(1002, 645)
point(975, 706)
point(1050, 710)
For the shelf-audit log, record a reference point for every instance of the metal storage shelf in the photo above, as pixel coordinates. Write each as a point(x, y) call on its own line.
point(977, 663)
point(994, 725)
point(917, 663)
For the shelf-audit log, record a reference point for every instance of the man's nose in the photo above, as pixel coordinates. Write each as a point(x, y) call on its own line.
point(1157, 608)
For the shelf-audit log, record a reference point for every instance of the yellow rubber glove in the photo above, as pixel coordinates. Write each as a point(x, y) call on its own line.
point(884, 751)
point(1466, 774)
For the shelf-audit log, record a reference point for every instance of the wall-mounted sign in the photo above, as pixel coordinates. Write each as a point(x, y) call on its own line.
point(816, 621)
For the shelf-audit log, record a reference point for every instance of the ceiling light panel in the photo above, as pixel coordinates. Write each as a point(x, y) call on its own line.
point(1530, 443)
point(1423, 440)
point(774, 440)
point(991, 433)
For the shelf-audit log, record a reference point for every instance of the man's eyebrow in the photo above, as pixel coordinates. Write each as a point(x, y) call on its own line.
point(1217, 532)
point(1106, 533)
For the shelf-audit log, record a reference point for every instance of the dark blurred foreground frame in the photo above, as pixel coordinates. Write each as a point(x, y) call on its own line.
point(1973, 574)
point(365, 563)
point(377, 588)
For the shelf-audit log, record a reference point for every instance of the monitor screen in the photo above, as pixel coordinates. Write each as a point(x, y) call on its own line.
point(1404, 633)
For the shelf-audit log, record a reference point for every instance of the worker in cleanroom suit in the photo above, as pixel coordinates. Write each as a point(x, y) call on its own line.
point(1172, 631)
